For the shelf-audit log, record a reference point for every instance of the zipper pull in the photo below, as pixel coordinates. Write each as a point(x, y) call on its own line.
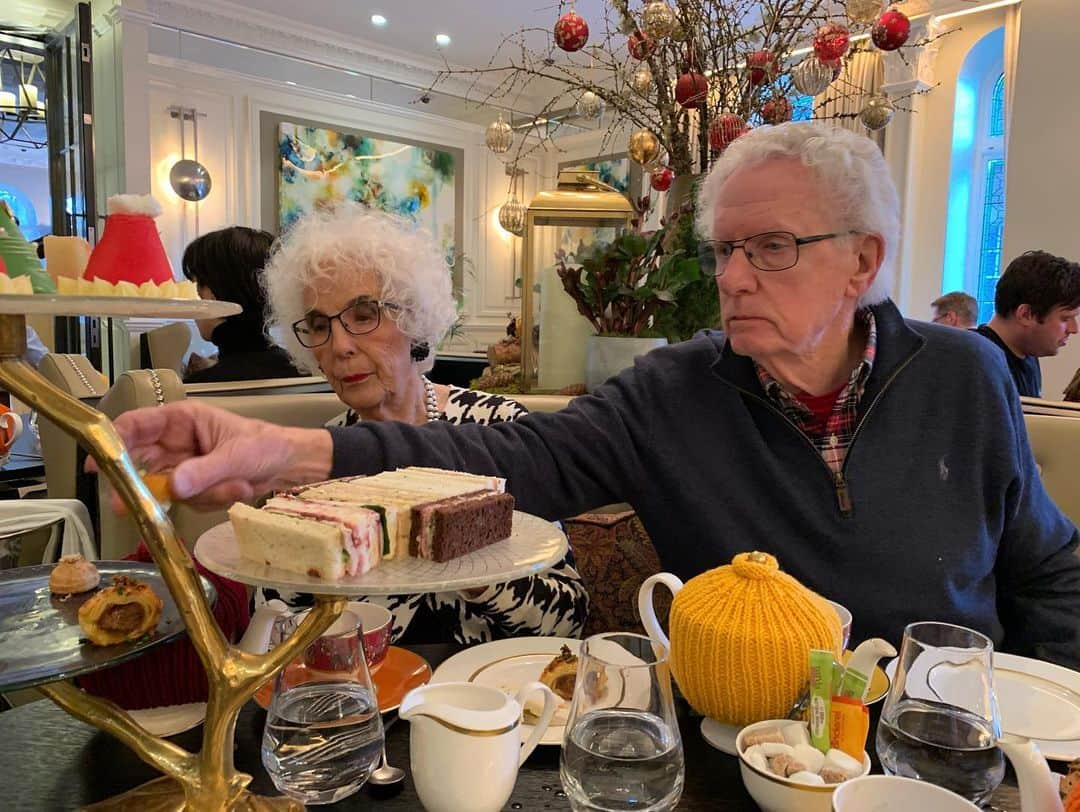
point(843, 498)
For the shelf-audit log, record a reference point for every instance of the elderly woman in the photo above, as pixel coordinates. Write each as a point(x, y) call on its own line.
point(363, 297)
point(884, 462)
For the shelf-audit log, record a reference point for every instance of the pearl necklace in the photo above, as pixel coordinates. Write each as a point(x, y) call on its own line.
point(431, 402)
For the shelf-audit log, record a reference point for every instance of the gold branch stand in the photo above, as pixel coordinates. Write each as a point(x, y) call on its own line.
point(208, 780)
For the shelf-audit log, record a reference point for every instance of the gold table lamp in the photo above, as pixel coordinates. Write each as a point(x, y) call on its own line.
point(208, 780)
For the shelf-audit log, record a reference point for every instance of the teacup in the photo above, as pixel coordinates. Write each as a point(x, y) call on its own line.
point(892, 793)
point(11, 427)
point(373, 622)
point(845, 623)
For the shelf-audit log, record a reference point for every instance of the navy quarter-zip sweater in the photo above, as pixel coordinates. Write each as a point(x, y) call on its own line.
point(946, 517)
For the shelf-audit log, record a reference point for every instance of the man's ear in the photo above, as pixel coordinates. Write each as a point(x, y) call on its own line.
point(1024, 315)
point(870, 253)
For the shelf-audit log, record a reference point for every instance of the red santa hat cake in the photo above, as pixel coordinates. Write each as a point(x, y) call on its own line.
point(130, 249)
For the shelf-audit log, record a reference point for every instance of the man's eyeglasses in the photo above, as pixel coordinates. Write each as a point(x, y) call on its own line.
point(771, 251)
point(359, 318)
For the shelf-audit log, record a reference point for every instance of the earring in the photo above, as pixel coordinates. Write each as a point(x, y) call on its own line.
point(419, 351)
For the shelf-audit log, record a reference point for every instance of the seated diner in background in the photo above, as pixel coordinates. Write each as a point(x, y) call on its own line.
point(362, 296)
point(884, 462)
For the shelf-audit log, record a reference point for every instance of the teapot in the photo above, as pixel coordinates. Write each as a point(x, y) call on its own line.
point(465, 743)
point(1038, 786)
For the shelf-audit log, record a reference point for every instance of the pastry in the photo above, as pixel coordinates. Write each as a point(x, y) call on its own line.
point(73, 574)
point(124, 611)
point(560, 675)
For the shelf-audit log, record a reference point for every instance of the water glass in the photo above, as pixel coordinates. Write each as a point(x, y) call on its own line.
point(622, 748)
point(323, 734)
point(940, 723)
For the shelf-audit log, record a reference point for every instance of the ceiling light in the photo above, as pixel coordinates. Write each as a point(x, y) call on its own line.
point(378, 20)
point(442, 40)
point(977, 9)
point(290, 83)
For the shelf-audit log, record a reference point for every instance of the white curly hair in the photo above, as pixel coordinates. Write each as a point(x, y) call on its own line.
point(351, 239)
point(850, 166)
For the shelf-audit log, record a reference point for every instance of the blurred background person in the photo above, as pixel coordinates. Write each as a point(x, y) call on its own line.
point(956, 309)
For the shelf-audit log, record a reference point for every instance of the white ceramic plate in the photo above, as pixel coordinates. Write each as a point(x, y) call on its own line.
point(507, 665)
point(720, 736)
point(171, 719)
point(1036, 699)
point(534, 545)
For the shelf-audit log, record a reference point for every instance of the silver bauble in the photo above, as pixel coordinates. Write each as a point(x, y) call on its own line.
point(877, 113)
point(810, 77)
point(657, 19)
point(499, 136)
point(512, 216)
point(589, 105)
point(642, 80)
point(863, 11)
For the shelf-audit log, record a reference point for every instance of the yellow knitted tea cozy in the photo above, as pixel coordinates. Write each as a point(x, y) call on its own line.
point(741, 636)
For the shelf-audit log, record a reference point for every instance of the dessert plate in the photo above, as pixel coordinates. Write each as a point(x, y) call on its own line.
point(40, 638)
point(507, 665)
point(534, 545)
point(400, 672)
point(1036, 699)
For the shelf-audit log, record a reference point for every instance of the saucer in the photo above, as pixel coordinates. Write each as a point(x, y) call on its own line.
point(401, 671)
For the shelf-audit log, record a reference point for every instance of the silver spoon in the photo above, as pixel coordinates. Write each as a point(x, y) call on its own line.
point(384, 774)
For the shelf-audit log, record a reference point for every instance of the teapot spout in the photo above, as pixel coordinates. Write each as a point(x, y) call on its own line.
point(256, 639)
point(1038, 786)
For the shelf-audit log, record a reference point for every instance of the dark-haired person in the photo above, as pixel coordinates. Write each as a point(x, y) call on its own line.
point(956, 309)
point(1036, 305)
point(227, 265)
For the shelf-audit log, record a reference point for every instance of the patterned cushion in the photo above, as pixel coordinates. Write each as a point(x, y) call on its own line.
point(614, 555)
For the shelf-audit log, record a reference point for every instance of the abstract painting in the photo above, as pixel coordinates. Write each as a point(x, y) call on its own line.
point(320, 167)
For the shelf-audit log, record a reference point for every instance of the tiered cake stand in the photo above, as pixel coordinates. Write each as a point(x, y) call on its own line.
point(207, 781)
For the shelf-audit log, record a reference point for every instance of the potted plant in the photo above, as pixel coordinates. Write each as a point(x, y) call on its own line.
point(629, 290)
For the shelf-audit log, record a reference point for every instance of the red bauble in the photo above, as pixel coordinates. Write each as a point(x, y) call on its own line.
point(831, 42)
point(776, 110)
point(764, 67)
point(891, 30)
point(571, 32)
point(640, 45)
point(692, 89)
point(661, 178)
point(724, 129)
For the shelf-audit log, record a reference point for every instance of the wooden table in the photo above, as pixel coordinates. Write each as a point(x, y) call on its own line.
point(50, 761)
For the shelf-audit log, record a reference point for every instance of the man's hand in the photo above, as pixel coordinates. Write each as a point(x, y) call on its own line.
point(216, 457)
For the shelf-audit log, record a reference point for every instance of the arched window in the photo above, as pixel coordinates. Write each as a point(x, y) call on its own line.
point(991, 176)
point(802, 108)
point(997, 108)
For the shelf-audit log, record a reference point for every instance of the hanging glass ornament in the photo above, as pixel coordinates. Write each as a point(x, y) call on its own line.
point(724, 129)
point(571, 31)
point(692, 90)
point(678, 31)
point(512, 215)
point(863, 12)
point(877, 113)
point(642, 80)
point(777, 110)
point(657, 19)
point(589, 105)
point(763, 66)
point(891, 30)
point(644, 147)
point(660, 178)
point(831, 42)
point(810, 77)
point(499, 136)
point(640, 45)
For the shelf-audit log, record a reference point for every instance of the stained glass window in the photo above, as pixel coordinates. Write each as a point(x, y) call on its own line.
point(997, 108)
point(993, 224)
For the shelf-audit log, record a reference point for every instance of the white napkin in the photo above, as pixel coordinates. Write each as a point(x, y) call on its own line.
point(19, 515)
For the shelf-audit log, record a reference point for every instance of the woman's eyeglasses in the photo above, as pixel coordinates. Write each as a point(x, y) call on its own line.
point(359, 318)
point(771, 251)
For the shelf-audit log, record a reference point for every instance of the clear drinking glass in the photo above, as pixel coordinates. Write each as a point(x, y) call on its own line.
point(940, 723)
point(622, 748)
point(323, 734)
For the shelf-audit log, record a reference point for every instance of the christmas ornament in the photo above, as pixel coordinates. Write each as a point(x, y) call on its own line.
point(641, 46)
point(661, 178)
point(589, 105)
point(724, 129)
point(642, 81)
point(499, 136)
point(891, 30)
point(831, 41)
point(863, 11)
point(764, 67)
point(776, 110)
point(571, 32)
point(691, 90)
point(512, 216)
point(657, 19)
point(877, 113)
point(678, 31)
point(810, 77)
point(644, 147)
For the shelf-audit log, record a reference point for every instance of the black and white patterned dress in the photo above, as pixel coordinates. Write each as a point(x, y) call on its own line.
point(552, 604)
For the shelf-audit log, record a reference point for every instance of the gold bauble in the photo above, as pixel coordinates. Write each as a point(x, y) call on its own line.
point(678, 31)
point(863, 11)
point(644, 147)
point(589, 105)
point(512, 216)
point(657, 19)
point(877, 113)
point(642, 81)
point(499, 136)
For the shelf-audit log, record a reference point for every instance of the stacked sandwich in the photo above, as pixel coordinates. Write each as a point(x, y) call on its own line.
point(345, 527)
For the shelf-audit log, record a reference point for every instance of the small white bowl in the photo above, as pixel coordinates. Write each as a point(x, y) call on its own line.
point(775, 794)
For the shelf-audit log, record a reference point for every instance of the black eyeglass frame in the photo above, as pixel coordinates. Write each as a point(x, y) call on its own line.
point(709, 246)
point(379, 307)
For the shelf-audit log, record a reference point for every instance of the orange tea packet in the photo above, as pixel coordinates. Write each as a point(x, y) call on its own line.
point(159, 487)
point(849, 725)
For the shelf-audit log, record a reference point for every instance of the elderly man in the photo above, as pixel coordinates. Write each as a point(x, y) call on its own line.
point(956, 309)
point(884, 463)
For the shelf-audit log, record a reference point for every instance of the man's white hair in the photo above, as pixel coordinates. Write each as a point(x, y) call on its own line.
point(349, 240)
point(851, 170)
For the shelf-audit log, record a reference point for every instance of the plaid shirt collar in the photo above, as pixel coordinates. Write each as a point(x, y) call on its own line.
point(849, 396)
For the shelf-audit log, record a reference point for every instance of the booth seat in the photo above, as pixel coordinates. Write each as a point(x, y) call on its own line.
point(1059, 408)
point(1055, 442)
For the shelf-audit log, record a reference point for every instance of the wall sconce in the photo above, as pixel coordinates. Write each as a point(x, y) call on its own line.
point(189, 179)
